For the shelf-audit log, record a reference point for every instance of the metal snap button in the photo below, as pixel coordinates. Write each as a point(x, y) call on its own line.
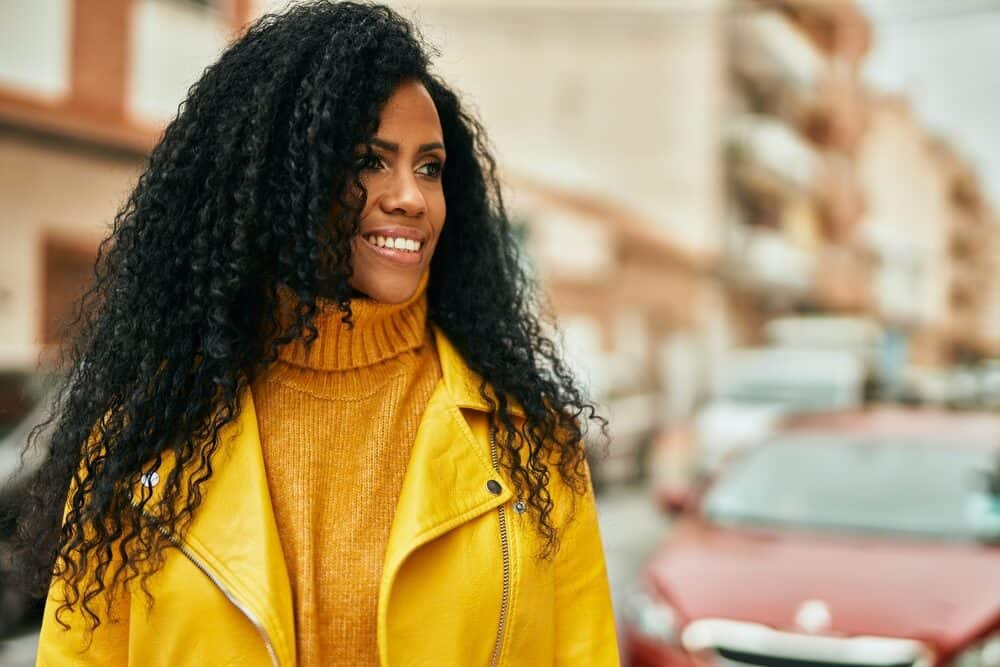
point(150, 479)
point(493, 487)
point(520, 507)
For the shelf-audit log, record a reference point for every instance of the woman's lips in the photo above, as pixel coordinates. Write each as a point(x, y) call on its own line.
point(405, 257)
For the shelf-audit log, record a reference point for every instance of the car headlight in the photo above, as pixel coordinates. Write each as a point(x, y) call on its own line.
point(985, 653)
point(652, 619)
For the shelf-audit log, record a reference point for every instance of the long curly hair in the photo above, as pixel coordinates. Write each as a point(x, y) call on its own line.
point(236, 201)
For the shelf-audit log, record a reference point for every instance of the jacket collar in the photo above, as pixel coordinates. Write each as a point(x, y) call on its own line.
point(461, 381)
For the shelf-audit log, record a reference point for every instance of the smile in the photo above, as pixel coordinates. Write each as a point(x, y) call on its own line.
point(396, 249)
point(397, 243)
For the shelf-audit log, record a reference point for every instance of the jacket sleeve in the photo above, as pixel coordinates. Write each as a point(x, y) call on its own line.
point(585, 622)
point(78, 645)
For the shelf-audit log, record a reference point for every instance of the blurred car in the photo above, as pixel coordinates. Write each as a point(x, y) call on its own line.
point(760, 386)
point(864, 538)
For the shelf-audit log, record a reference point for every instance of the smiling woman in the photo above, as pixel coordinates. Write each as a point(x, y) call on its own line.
point(311, 418)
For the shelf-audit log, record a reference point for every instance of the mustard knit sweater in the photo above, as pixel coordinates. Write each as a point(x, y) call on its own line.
point(337, 421)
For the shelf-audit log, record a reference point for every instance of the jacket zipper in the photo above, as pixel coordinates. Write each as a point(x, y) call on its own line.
point(505, 552)
point(229, 596)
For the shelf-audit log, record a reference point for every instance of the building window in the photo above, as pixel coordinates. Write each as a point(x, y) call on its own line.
point(201, 4)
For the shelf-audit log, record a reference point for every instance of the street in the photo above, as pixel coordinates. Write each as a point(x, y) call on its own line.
point(631, 526)
point(19, 651)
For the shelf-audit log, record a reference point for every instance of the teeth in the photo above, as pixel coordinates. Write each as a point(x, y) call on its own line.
point(407, 245)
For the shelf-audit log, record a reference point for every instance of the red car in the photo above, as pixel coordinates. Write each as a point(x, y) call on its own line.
point(863, 539)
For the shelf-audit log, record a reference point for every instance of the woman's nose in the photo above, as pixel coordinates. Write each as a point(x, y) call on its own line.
point(404, 195)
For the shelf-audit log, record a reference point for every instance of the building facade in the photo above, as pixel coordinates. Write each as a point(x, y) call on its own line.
point(86, 87)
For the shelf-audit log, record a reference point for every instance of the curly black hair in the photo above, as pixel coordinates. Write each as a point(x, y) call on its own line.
point(235, 202)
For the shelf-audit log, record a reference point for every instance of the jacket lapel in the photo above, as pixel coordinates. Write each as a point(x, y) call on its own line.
point(445, 484)
point(233, 537)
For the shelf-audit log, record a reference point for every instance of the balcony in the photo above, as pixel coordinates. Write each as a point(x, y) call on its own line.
point(783, 72)
point(765, 260)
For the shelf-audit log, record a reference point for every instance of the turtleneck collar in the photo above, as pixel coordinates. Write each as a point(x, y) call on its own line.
point(381, 331)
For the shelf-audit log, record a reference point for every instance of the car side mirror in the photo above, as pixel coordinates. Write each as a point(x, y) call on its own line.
point(984, 510)
point(679, 500)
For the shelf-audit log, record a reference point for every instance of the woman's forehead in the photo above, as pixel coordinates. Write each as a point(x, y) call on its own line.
point(409, 116)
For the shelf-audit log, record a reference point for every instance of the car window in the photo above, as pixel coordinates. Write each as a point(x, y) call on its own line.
point(927, 488)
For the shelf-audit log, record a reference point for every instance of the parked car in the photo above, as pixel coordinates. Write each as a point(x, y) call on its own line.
point(861, 538)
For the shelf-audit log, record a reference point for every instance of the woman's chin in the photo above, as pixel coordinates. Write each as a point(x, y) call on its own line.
point(387, 293)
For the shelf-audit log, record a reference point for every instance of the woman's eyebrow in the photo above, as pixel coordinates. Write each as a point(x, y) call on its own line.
point(393, 147)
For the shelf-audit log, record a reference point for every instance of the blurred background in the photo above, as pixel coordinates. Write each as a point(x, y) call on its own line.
point(755, 219)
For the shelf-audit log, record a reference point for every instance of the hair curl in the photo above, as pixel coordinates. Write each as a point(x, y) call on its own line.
point(235, 201)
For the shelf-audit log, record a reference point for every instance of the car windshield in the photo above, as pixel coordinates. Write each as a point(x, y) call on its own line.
point(926, 488)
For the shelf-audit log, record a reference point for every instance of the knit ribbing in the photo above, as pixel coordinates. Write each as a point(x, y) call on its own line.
point(337, 420)
point(380, 331)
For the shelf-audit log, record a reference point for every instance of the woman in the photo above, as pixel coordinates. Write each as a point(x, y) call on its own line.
point(319, 421)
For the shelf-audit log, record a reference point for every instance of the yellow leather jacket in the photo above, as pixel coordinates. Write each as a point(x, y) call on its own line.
point(461, 585)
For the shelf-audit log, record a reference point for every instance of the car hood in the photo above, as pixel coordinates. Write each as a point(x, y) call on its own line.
point(941, 593)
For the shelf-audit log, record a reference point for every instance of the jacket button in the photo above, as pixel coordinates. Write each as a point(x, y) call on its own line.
point(520, 507)
point(493, 486)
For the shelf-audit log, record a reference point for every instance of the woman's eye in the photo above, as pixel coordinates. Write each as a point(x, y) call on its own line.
point(369, 161)
point(432, 169)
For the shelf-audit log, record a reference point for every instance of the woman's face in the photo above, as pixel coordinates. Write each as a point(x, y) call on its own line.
point(405, 210)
